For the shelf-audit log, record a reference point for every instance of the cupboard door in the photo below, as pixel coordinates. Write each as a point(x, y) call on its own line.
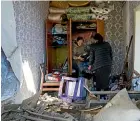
point(100, 27)
point(69, 47)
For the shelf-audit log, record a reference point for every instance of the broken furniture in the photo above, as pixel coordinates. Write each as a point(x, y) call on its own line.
point(72, 89)
point(47, 86)
point(110, 94)
point(50, 86)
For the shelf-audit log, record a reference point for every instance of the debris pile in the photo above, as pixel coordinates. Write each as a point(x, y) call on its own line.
point(47, 108)
point(36, 108)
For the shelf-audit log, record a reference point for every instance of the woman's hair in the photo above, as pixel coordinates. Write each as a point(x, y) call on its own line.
point(79, 38)
point(98, 37)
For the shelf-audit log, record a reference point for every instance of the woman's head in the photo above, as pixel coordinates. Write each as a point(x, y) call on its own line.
point(98, 38)
point(80, 41)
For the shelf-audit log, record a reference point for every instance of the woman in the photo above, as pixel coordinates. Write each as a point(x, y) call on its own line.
point(78, 51)
point(100, 62)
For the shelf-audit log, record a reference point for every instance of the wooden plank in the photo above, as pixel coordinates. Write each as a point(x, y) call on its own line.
point(92, 109)
point(86, 28)
point(70, 66)
point(51, 84)
point(34, 119)
point(112, 92)
point(47, 116)
point(42, 78)
point(100, 27)
point(93, 21)
point(136, 73)
point(55, 22)
point(50, 89)
point(69, 110)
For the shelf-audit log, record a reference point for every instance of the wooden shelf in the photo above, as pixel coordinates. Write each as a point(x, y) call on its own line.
point(51, 83)
point(56, 22)
point(92, 21)
point(50, 89)
point(57, 34)
point(58, 46)
point(86, 28)
point(50, 86)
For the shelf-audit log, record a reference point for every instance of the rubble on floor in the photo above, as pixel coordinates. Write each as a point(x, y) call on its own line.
point(47, 108)
point(42, 108)
point(37, 108)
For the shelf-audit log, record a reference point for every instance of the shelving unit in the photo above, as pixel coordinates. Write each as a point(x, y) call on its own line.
point(56, 55)
point(99, 26)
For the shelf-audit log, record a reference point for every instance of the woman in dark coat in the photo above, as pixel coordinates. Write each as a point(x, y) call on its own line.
point(100, 62)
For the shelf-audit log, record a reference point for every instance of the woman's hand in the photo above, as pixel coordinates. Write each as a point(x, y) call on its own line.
point(89, 67)
point(80, 58)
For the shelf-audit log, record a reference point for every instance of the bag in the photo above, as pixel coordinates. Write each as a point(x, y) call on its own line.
point(72, 89)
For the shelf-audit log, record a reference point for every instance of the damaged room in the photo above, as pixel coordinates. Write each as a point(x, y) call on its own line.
point(70, 60)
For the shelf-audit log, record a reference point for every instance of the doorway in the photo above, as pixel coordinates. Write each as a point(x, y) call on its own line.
point(137, 40)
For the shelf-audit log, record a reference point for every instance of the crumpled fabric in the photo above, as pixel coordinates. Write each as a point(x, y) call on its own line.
point(9, 82)
point(136, 84)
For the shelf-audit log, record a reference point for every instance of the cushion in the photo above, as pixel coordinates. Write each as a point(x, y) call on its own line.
point(120, 108)
point(57, 10)
point(81, 16)
point(76, 10)
point(78, 3)
point(59, 4)
point(98, 10)
point(55, 16)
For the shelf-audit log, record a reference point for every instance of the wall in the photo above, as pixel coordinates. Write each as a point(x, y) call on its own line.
point(114, 35)
point(129, 30)
point(30, 19)
point(137, 40)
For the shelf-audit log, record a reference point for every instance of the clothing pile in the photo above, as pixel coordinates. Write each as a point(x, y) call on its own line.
point(59, 33)
point(136, 84)
point(114, 83)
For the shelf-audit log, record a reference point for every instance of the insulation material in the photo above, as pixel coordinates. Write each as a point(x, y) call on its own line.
point(120, 108)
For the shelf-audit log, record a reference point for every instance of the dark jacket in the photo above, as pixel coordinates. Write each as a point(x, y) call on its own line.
point(100, 55)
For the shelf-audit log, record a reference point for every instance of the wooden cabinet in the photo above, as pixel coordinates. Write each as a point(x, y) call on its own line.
point(56, 56)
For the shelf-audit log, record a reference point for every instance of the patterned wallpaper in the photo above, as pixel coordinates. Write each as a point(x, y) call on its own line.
point(30, 19)
point(114, 35)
